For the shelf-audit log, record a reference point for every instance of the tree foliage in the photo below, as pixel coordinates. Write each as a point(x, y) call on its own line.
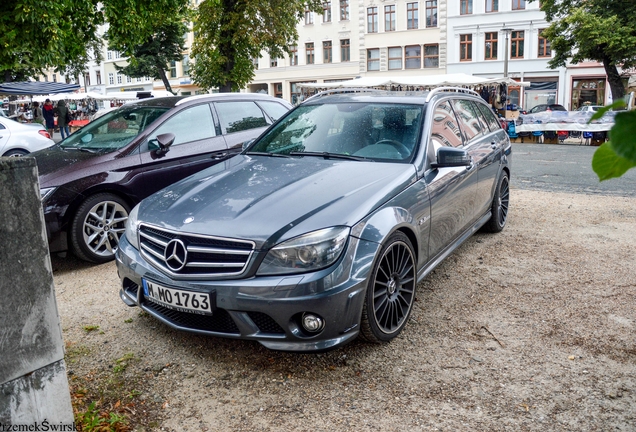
point(231, 33)
point(39, 34)
point(615, 157)
point(599, 30)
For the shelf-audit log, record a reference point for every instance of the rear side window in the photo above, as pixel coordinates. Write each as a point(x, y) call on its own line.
point(240, 116)
point(489, 117)
point(192, 124)
point(469, 119)
point(445, 130)
point(273, 109)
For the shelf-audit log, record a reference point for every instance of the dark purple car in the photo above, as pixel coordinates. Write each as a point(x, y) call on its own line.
point(91, 180)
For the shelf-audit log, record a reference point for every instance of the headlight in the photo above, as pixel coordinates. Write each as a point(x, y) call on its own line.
point(308, 252)
point(45, 193)
point(131, 227)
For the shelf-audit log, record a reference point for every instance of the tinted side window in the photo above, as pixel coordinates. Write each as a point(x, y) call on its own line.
point(191, 124)
point(468, 118)
point(273, 109)
point(445, 130)
point(489, 117)
point(240, 116)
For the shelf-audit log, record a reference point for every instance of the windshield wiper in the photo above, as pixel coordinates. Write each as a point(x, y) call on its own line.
point(328, 155)
point(82, 149)
point(267, 154)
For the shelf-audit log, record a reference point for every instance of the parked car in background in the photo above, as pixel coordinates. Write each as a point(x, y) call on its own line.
point(91, 180)
point(589, 108)
point(321, 229)
point(544, 107)
point(20, 139)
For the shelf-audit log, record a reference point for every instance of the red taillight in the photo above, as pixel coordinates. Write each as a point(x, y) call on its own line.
point(45, 134)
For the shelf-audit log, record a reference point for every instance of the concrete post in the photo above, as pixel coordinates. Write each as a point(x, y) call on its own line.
point(33, 384)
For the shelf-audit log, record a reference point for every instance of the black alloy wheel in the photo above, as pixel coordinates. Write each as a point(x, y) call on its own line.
point(391, 291)
point(500, 205)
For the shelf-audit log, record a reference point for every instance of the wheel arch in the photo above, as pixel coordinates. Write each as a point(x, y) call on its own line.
point(70, 212)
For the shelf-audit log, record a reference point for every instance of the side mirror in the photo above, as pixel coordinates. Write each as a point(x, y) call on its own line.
point(165, 141)
point(246, 144)
point(448, 157)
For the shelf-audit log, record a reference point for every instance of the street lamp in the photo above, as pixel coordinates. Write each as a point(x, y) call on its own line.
point(507, 31)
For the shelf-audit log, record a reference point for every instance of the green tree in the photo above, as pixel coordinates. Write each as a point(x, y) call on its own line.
point(600, 30)
point(230, 34)
point(615, 157)
point(39, 34)
point(149, 32)
point(150, 59)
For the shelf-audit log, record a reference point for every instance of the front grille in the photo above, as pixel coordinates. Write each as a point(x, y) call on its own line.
point(220, 321)
point(203, 257)
point(265, 323)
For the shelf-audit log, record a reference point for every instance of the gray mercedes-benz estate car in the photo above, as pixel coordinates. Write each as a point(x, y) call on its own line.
point(321, 228)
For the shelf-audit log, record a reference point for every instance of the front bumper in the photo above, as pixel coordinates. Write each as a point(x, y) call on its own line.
point(265, 309)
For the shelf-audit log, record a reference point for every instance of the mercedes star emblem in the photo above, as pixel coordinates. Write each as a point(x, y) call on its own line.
point(175, 255)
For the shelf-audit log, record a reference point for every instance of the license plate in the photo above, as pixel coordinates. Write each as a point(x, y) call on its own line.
point(181, 300)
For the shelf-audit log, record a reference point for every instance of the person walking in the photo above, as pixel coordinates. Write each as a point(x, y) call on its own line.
point(49, 116)
point(63, 115)
point(38, 117)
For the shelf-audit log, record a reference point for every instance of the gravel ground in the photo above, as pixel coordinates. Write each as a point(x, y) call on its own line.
point(529, 329)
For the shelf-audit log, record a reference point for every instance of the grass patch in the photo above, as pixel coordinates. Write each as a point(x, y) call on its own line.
point(90, 328)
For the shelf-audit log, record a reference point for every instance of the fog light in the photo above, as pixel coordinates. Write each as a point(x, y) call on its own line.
point(312, 323)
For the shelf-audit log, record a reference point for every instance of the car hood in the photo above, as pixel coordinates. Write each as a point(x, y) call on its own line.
point(270, 199)
point(56, 161)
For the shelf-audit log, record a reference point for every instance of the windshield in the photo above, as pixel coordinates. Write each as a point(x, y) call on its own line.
point(114, 130)
point(380, 132)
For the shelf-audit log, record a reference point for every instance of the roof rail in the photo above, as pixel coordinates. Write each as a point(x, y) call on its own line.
point(449, 89)
point(342, 90)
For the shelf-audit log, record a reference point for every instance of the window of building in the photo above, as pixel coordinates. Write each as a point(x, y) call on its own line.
point(109, 55)
point(544, 46)
point(373, 59)
point(327, 52)
point(173, 69)
point(516, 45)
point(431, 13)
point(345, 50)
point(278, 90)
point(466, 47)
point(490, 51)
point(372, 19)
point(309, 16)
point(344, 10)
point(389, 18)
point(54, 77)
point(309, 49)
point(326, 11)
point(431, 56)
point(111, 78)
point(128, 79)
point(185, 63)
point(413, 57)
point(273, 62)
point(518, 4)
point(98, 77)
point(293, 55)
point(465, 7)
point(591, 91)
point(395, 58)
point(492, 5)
point(118, 77)
point(412, 10)
point(87, 79)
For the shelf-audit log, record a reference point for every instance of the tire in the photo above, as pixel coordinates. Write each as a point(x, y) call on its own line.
point(391, 291)
point(499, 207)
point(97, 227)
point(16, 153)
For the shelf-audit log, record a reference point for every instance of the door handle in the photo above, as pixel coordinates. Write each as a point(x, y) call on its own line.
point(217, 156)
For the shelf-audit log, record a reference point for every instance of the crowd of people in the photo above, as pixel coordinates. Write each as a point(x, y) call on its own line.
point(54, 115)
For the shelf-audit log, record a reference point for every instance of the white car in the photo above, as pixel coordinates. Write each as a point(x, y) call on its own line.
point(19, 139)
point(589, 108)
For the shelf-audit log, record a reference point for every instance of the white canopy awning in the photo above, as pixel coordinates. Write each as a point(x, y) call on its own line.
point(427, 82)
